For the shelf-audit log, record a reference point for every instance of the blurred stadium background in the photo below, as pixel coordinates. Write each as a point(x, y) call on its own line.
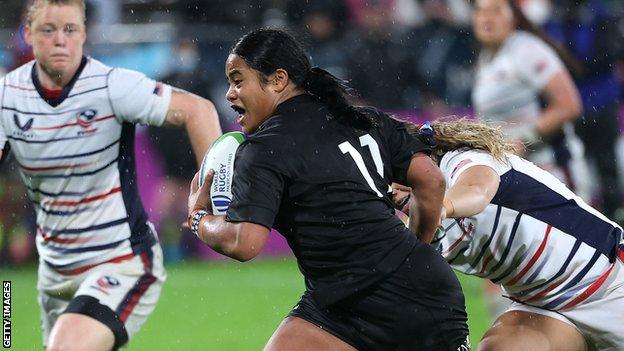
point(411, 57)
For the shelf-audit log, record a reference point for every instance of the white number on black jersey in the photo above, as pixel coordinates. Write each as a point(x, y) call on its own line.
point(366, 140)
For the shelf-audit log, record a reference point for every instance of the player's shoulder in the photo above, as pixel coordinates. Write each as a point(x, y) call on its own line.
point(452, 159)
point(21, 76)
point(124, 75)
point(95, 67)
point(521, 37)
point(525, 42)
point(273, 133)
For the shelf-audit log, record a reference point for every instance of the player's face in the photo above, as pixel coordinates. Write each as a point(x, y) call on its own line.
point(249, 95)
point(492, 21)
point(57, 35)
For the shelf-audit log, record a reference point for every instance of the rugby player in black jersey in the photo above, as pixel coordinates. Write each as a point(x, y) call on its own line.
point(318, 170)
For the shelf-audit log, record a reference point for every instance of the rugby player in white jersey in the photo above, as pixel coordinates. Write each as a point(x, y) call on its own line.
point(559, 260)
point(518, 70)
point(69, 121)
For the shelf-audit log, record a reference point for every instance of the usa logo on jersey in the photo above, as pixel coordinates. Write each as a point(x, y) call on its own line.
point(85, 118)
point(106, 283)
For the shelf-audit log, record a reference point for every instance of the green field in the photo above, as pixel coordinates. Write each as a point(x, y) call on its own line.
point(209, 306)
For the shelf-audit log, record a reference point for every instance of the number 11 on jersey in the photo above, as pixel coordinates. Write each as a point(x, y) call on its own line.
point(366, 140)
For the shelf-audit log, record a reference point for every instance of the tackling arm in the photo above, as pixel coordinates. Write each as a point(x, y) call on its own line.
point(427, 183)
point(471, 193)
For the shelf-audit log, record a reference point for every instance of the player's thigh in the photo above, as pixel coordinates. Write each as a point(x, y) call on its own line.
point(74, 331)
point(296, 334)
point(121, 296)
point(521, 330)
point(130, 290)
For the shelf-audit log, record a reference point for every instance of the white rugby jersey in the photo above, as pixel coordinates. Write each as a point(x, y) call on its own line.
point(536, 238)
point(507, 88)
point(76, 158)
point(508, 83)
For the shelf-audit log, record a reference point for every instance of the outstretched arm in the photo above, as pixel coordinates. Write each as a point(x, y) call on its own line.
point(198, 116)
point(471, 193)
point(427, 183)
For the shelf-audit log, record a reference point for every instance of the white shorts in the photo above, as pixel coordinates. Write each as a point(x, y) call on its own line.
point(120, 295)
point(600, 321)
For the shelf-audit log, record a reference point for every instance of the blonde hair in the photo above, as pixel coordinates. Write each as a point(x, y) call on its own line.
point(37, 5)
point(452, 134)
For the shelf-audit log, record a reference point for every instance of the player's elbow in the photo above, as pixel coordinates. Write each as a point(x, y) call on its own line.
point(241, 252)
point(435, 182)
point(189, 109)
point(245, 245)
point(576, 110)
point(200, 109)
point(481, 202)
point(572, 109)
point(243, 256)
point(424, 175)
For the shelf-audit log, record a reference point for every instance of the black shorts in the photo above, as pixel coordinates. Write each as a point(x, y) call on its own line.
point(418, 307)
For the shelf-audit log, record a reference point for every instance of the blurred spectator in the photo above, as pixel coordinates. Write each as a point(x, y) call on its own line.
point(322, 24)
point(105, 12)
point(443, 55)
point(591, 34)
point(240, 12)
point(518, 70)
point(179, 161)
point(21, 52)
point(379, 63)
point(537, 11)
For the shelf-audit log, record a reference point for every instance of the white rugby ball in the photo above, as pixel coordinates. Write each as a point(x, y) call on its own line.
point(220, 157)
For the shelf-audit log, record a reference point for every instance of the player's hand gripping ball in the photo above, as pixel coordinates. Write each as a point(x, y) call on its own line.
point(220, 158)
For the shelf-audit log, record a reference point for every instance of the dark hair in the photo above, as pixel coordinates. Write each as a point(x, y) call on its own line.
point(267, 50)
point(523, 23)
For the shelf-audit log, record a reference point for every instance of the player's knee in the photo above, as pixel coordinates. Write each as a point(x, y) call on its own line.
point(61, 344)
point(74, 332)
point(491, 343)
point(508, 339)
point(69, 342)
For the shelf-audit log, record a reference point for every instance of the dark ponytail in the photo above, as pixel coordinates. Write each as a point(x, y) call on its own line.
point(266, 50)
point(337, 94)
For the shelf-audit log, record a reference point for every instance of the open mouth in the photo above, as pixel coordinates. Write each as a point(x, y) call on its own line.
point(238, 110)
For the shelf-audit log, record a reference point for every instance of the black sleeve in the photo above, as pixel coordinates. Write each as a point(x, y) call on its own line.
point(257, 184)
point(402, 147)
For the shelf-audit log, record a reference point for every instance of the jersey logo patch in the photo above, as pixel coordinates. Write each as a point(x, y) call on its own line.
point(85, 118)
point(540, 66)
point(158, 90)
point(459, 166)
point(23, 127)
point(221, 202)
point(106, 283)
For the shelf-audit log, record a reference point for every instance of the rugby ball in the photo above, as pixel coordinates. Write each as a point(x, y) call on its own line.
point(220, 157)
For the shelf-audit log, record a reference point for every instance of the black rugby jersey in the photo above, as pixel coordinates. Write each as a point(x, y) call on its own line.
point(326, 187)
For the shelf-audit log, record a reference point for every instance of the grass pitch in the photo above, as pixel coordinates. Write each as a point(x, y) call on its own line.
point(210, 306)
